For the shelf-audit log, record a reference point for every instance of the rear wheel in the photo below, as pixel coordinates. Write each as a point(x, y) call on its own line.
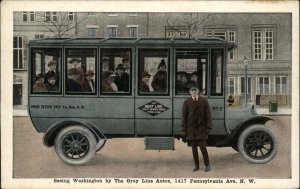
point(75, 145)
point(258, 144)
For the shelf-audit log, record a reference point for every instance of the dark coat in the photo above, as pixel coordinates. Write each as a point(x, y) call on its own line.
point(143, 87)
point(196, 119)
point(52, 88)
point(122, 82)
point(159, 82)
point(73, 85)
point(86, 86)
point(106, 87)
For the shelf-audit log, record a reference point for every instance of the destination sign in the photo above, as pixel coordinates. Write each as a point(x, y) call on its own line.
point(153, 108)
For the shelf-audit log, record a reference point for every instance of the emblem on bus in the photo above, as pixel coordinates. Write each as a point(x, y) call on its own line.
point(153, 108)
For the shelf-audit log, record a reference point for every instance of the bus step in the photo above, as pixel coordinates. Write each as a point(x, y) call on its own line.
point(159, 143)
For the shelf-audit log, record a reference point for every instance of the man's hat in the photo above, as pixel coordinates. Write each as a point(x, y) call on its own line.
point(144, 74)
point(105, 59)
point(52, 62)
point(194, 87)
point(39, 76)
point(74, 60)
point(120, 66)
point(182, 73)
point(126, 59)
point(72, 71)
point(89, 72)
point(52, 76)
point(194, 73)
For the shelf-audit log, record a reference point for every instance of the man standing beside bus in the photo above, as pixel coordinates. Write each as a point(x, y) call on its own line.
point(196, 125)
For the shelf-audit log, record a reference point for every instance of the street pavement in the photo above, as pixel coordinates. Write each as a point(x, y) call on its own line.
point(124, 158)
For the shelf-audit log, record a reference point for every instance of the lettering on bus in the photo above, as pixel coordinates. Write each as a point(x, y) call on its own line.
point(153, 108)
point(57, 107)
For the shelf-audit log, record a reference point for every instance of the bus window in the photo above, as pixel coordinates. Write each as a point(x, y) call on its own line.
point(153, 71)
point(216, 72)
point(191, 69)
point(116, 71)
point(46, 65)
point(81, 71)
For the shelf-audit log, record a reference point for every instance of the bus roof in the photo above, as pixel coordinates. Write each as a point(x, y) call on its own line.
point(211, 41)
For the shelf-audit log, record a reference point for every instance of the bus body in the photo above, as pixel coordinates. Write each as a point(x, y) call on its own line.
point(78, 121)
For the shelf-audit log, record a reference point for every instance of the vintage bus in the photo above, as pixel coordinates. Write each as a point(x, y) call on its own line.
point(84, 91)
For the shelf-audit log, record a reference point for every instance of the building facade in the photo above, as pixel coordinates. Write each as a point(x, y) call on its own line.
point(264, 39)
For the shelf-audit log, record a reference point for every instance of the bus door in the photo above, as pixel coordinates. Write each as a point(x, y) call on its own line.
point(216, 90)
point(191, 67)
point(153, 102)
point(116, 102)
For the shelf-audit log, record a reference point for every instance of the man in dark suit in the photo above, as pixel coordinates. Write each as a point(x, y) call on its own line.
point(122, 79)
point(52, 71)
point(88, 84)
point(72, 84)
point(196, 125)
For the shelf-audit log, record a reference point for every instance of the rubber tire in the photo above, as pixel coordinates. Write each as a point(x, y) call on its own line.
point(77, 129)
point(100, 144)
point(251, 129)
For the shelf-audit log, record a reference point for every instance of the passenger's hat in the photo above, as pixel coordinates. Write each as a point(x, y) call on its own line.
point(162, 63)
point(182, 73)
point(194, 87)
point(194, 73)
point(108, 73)
point(120, 66)
point(125, 59)
point(39, 76)
point(144, 74)
point(52, 62)
point(72, 71)
point(52, 76)
point(89, 72)
point(105, 59)
point(74, 60)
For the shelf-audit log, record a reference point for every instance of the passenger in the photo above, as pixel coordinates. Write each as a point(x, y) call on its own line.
point(122, 79)
point(182, 85)
point(52, 70)
point(160, 79)
point(144, 82)
point(193, 79)
point(196, 125)
point(72, 80)
point(88, 84)
point(108, 84)
point(76, 64)
point(51, 84)
point(39, 85)
point(105, 64)
point(126, 64)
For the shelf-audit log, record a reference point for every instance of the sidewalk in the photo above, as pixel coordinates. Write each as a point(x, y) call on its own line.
point(263, 111)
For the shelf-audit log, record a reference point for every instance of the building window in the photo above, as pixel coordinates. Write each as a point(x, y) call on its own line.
point(25, 16)
point(71, 16)
point(263, 45)
point(51, 16)
point(17, 90)
point(183, 34)
point(39, 36)
point(54, 16)
point(18, 52)
point(32, 16)
point(47, 16)
point(170, 34)
point(264, 85)
point(92, 32)
point(133, 32)
point(112, 32)
point(281, 85)
point(231, 85)
point(228, 35)
point(248, 87)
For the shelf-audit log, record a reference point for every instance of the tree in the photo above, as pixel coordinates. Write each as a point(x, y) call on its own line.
point(60, 24)
point(189, 22)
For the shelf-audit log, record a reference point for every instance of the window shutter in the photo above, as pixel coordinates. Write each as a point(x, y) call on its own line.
point(25, 41)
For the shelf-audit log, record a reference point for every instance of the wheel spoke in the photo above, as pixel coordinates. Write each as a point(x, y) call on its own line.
point(261, 152)
point(255, 152)
point(266, 148)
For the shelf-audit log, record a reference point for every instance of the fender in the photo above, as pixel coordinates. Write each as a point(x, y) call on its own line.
point(257, 119)
point(51, 133)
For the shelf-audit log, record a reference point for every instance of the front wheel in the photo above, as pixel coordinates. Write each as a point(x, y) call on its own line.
point(258, 144)
point(75, 145)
